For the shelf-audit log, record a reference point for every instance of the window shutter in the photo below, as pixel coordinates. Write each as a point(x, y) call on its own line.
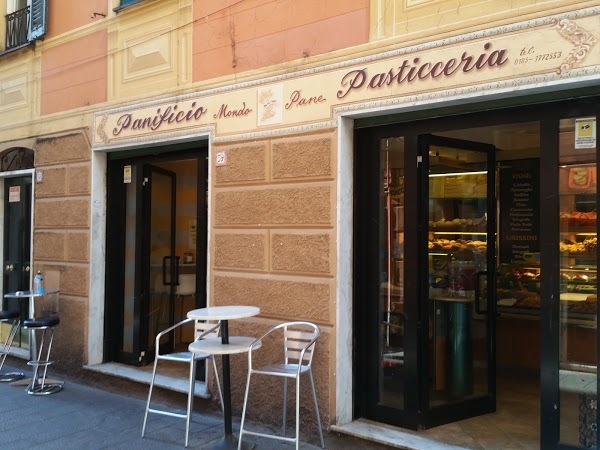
point(39, 10)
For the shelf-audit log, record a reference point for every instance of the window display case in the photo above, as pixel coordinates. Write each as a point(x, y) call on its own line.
point(518, 284)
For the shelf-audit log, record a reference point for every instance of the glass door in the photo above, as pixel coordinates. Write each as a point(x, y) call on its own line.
point(142, 269)
point(570, 336)
point(160, 266)
point(385, 283)
point(458, 301)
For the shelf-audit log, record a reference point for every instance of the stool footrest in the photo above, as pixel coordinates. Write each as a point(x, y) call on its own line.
point(10, 377)
point(40, 363)
point(270, 436)
point(167, 413)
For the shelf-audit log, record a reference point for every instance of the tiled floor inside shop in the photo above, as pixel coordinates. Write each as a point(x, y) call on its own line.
point(514, 425)
point(516, 422)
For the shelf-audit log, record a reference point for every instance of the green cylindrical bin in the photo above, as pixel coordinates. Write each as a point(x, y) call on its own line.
point(460, 351)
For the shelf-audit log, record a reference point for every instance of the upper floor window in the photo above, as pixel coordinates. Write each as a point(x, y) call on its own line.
point(124, 3)
point(25, 21)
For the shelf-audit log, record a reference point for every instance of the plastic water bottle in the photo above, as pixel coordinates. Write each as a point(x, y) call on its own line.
point(38, 284)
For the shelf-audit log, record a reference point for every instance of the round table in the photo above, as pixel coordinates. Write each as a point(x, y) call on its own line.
point(225, 346)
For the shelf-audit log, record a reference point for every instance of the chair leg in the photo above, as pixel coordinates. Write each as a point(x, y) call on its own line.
point(190, 399)
point(47, 355)
point(216, 370)
point(244, 410)
point(285, 384)
point(38, 358)
point(11, 376)
point(314, 393)
point(297, 412)
point(149, 396)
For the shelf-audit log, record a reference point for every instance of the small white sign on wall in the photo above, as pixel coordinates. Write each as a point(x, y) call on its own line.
point(221, 158)
point(14, 194)
point(585, 132)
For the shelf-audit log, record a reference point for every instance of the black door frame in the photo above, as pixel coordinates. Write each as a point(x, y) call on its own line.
point(115, 240)
point(550, 279)
point(23, 264)
point(365, 282)
point(142, 266)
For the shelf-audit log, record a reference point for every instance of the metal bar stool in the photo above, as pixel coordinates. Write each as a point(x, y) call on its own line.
point(14, 318)
point(38, 385)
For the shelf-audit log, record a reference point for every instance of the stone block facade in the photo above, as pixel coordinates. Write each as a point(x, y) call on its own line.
point(273, 246)
point(62, 237)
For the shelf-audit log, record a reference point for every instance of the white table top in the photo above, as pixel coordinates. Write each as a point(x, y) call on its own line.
point(29, 294)
point(223, 312)
point(214, 346)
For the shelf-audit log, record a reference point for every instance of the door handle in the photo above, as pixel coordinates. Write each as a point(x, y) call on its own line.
point(26, 268)
point(9, 267)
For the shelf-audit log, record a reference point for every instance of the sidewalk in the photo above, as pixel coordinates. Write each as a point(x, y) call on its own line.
point(82, 416)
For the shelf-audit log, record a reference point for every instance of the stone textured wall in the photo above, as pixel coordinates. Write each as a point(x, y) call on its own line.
point(61, 240)
point(273, 246)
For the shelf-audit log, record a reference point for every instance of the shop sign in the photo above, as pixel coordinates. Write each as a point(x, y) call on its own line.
point(14, 194)
point(409, 71)
point(585, 132)
point(534, 52)
point(153, 122)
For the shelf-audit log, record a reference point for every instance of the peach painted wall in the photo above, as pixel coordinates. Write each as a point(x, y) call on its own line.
point(66, 15)
point(254, 34)
point(74, 73)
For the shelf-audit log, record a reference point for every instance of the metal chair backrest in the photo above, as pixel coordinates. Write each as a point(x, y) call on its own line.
point(202, 326)
point(299, 340)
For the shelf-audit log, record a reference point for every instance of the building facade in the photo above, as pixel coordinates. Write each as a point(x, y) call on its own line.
point(363, 165)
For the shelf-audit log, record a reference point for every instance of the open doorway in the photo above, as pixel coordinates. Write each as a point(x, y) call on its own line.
point(156, 252)
point(450, 323)
point(16, 192)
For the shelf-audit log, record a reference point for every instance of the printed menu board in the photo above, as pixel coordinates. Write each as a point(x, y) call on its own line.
point(519, 210)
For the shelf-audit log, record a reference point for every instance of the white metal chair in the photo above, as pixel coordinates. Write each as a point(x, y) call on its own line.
point(299, 339)
point(202, 329)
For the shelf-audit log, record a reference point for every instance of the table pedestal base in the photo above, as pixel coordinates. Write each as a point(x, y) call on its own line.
point(227, 442)
point(11, 377)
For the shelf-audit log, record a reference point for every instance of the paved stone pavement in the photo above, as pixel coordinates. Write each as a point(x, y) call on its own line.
point(103, 413)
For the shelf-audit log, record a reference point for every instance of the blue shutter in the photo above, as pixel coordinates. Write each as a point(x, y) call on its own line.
point(39, 13)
